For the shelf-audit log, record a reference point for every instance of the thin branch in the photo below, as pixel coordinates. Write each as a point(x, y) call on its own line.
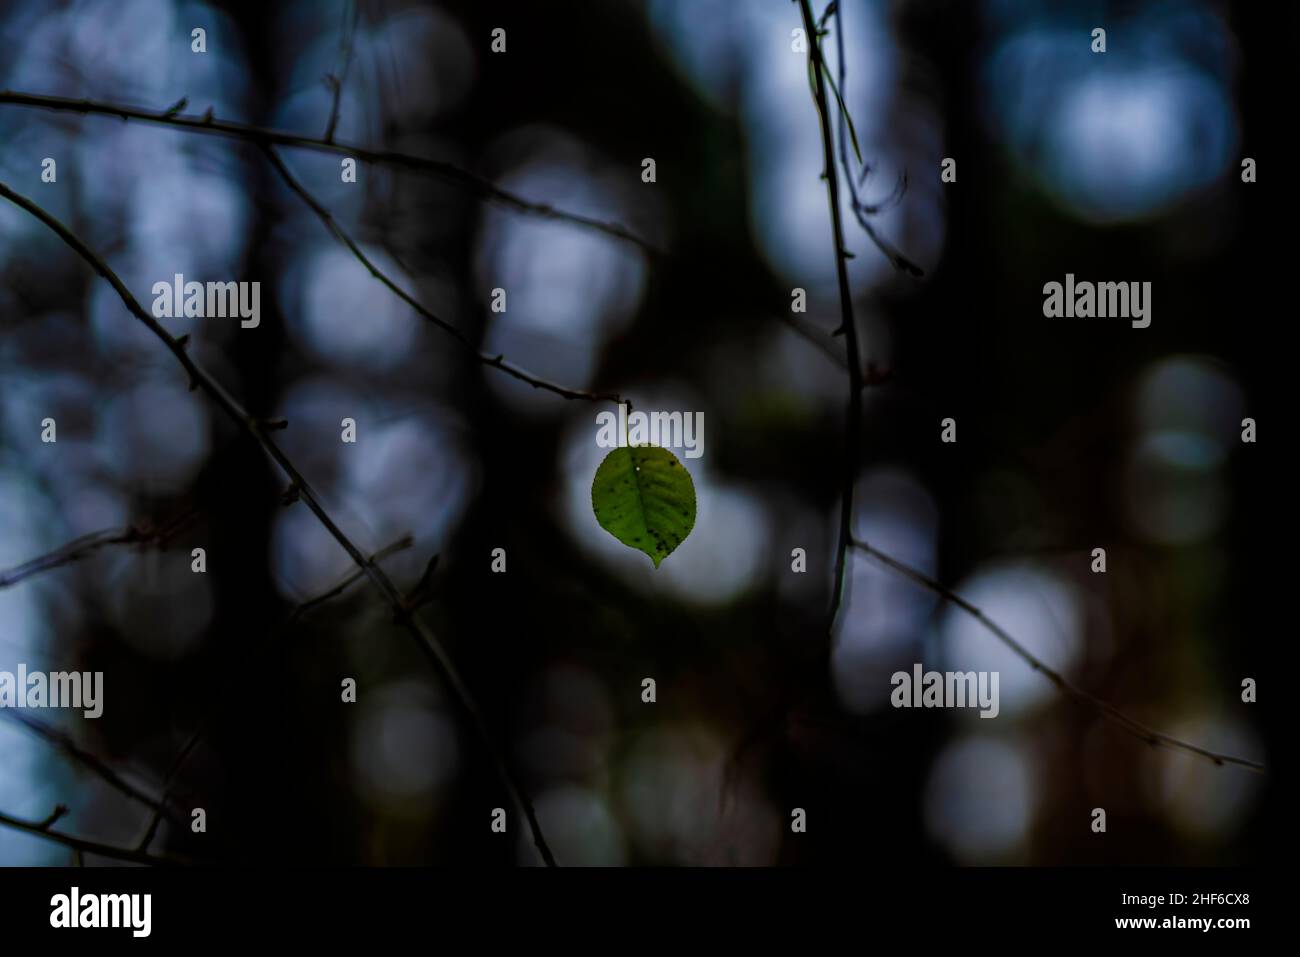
point(81, 845)
point(853, 418)
point(423, 638)
point(496, 362)
point(59, 811)
point(475, 185)
point(79, 548)
point(336, 81)
point(68, 554)
point(781, 707)
point(826, 15)
point(72, 552)
point(423, 590)
point(64, 743)
point(168, 780)
point(860, 209)
point(1109, 711)
point(823, 341)
point(406, 541)
point(812, 334)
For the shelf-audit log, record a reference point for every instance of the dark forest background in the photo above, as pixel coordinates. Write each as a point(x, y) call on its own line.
point(1072, 434)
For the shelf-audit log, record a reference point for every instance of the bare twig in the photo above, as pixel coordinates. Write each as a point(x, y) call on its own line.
point(79, 548)
point(72, 552)
point(59, 811)
point(68, 554)
point(64, 743)
point(422, 592)
point(473, 184)
point(823, 341)
point(861, 210)
point(1107, 710)
point(424, 640)
point(782, 707)
point(853, 418)
point(81, 845)
point(846, 540)
point(335, 81)
point(168, 779)
point(496, 362)
point(815, 336)
point(406, 541)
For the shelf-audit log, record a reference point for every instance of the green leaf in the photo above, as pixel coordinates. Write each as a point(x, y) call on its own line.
point(645, 498)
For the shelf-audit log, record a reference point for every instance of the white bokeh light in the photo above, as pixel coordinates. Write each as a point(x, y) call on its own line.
point(979, 800)
point(1040, 611)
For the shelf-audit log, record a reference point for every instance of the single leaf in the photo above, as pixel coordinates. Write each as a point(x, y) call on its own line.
point(645, 498)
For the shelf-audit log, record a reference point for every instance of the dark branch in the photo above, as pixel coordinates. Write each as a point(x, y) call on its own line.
point(425, 642)
point(1109, 711)
point(336, 80)
point(422, 592)
point(494, 361)
point(170, 777)
point(475, 185)
point(59, 811)
point(860, 209)
point(79, 548)
point(81, 845)
point(406, 541)
point(79, 754)
point(853, 418)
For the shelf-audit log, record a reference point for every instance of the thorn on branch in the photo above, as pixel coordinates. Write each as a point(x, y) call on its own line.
point(422, 593)
point(59, 811)
point(175, 107)
point(830, 11)
point(366, 565)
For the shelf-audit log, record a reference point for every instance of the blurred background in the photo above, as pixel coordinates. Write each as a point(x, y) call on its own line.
point(1072, 434)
